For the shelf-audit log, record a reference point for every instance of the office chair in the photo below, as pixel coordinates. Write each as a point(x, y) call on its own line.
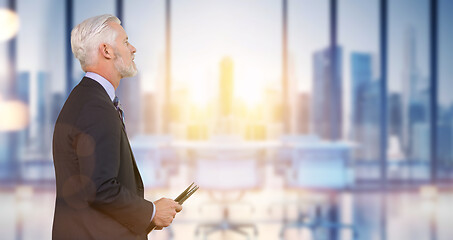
point(227, 173)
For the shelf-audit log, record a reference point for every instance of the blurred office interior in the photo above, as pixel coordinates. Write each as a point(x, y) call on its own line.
point(298, 119)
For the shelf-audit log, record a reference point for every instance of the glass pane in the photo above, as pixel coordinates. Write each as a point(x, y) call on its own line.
point(445, 84)
point(408, 90)
point(144, 22)
point(305, 39)
point(358, 37)
point(226, 65)
point(37, 85)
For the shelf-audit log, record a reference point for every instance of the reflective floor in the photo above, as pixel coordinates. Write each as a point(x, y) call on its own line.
point(270, 212)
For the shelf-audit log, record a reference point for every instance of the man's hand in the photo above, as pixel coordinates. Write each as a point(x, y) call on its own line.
point(166, 210)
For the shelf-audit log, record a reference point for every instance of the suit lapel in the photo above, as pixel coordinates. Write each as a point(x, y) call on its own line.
point(138, 177)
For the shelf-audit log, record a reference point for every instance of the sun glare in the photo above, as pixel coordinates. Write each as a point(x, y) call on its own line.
point(248, 88)
point(199, 94)
point(9, 24)
point(17, 117)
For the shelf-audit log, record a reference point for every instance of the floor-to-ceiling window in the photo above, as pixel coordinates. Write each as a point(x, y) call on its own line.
point(226, 68)
point(409, 116)
point(358, 38)
point(444, 97)
point(37, 61)
point(408, 91)
point(143, 94)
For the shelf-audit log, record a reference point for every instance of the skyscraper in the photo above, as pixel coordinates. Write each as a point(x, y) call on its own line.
point(303, 113)
point(444, 141)
point(365, 107)
point(226, 94)
point(327, 94)
point(150, 111)
point(23, 95)
point(130, 95)
point(395, 115)
point(226, 86)
point(415, 101)
point(360, 78)
point(40, 125)
point(23, 87)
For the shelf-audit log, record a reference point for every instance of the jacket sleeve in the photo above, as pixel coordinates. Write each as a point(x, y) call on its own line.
point(97, 146)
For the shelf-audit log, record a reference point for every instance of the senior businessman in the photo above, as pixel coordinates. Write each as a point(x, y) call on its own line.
point(100, 193)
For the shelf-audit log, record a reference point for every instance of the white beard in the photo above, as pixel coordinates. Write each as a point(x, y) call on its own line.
point(125, 71)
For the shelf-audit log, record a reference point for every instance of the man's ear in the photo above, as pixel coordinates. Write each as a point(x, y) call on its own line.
point(106, 51)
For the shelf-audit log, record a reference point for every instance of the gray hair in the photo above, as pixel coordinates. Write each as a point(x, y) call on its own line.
point(89, 34)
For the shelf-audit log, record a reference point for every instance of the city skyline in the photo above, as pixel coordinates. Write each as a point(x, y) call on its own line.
point(413, 79)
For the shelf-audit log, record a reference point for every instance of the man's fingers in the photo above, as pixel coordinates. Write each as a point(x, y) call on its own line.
point(178, 208)
point(166, 210)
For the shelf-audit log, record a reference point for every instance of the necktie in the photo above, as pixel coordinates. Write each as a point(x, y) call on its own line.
point(117, 104)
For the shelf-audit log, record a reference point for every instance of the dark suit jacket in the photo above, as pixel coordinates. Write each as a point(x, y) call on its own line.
point(99, 189)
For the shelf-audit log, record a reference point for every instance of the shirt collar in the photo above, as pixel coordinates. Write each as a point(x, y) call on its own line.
point(104, 83)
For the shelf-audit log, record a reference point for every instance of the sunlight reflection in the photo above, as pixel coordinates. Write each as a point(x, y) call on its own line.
point(15, 115)
point(9, 24)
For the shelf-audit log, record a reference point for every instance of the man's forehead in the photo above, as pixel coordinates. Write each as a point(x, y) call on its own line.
point(119, 29)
